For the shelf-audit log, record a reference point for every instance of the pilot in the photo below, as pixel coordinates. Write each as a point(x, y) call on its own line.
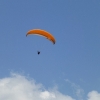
point(38, 52)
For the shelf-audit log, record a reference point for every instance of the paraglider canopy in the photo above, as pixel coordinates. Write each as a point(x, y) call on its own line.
point(42, 33)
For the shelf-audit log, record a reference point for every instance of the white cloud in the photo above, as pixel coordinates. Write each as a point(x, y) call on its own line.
point(18, 87)
point(94, 95)
point(46, 95)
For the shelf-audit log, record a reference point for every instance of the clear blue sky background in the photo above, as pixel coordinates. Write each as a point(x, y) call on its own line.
point(76, 55)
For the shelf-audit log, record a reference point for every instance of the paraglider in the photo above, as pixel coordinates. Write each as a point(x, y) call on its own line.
point(42, 33)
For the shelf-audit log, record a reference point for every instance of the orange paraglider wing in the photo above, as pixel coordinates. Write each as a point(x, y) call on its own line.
point(42, 33)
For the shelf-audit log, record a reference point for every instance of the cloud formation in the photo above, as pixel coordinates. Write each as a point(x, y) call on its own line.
point(18, 87)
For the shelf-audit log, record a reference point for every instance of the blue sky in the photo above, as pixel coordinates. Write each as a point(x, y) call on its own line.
point(74, 59)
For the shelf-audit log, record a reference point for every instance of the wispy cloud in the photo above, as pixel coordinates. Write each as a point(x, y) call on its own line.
point(77, 90)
